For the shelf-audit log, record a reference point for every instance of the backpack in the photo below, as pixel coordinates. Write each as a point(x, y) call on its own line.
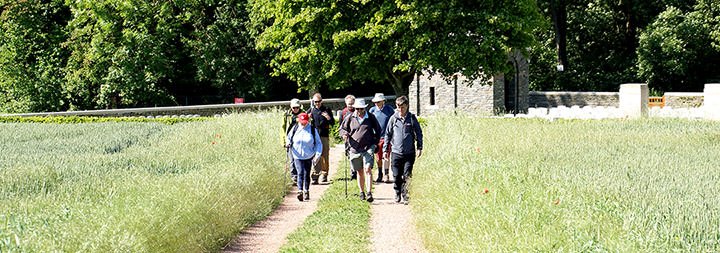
point(295, 128)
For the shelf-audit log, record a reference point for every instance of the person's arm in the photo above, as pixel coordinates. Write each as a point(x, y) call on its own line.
point(318, 144)
point(418, 135)
point(389, 129)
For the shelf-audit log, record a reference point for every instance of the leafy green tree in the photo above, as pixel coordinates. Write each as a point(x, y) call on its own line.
point(676, 51)
point(335, 42)
point(602, 38)
point(31, 58)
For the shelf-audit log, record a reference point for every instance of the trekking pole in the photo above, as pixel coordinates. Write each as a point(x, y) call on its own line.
point(346, 167)
point(287, 161)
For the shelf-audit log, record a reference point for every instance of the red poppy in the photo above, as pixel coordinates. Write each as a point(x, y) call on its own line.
point(213, 142)
point(716, 135)
point(479, 150)
point(556, 202)
point(486, 191)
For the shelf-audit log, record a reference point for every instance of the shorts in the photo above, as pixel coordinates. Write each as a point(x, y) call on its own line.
point(379, 154)
point(361, 160)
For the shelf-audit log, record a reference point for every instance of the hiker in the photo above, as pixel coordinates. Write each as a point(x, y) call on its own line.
point(306, 147)
point(361, 132)
point(382, 113)
point(402, 132)
point(322, 119)
point(349, 109)
point(289, 122)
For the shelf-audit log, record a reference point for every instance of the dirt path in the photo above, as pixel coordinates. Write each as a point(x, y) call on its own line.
point(270, 234)
point(391, 223)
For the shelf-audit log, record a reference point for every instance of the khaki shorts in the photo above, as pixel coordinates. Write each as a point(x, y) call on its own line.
point(358, 161)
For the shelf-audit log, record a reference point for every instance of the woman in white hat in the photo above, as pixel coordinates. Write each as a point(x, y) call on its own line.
point(361, 132)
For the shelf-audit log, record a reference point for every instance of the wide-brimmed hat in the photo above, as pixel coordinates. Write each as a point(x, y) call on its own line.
point(295, 102)
point(303, 118)
point(378, 97)
point(360, 103)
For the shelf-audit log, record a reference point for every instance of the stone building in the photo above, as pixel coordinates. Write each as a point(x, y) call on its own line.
point(503, 93)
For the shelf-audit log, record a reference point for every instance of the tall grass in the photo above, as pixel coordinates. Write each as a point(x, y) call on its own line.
point(533, 185)
point(137, 187)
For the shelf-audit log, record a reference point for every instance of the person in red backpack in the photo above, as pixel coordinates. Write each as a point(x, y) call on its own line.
point(349, 109)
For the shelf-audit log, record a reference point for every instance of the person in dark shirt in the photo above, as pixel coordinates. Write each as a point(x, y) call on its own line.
point(322, 119)
point(403, 132)
point(289, 122)
point(361, 132)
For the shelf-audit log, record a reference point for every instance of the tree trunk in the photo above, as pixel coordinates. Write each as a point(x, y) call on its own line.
point(559, 17)
point(400, 81)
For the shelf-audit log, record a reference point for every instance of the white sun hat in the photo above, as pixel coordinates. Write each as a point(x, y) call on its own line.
point(360, 103)
point(378, 97)
point(295, 102)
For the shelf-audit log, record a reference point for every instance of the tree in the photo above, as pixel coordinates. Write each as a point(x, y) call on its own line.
point(676, 52)
point(602, 38)
point(31, 58)
point(335, 42)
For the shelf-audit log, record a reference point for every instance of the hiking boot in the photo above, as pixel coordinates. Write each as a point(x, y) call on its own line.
point(386, 178)
point(307, 195)
point(369, 197)
point(405, 200)
point(324, 179)
point(380, 177)
point(300, 196)
point(315, 181)
point(362, 195)
point(397, 198)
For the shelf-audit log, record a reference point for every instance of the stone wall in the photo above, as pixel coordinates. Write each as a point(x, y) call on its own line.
point(202, 110)
point(684, 99)
point(472, 96)
point(566, 98)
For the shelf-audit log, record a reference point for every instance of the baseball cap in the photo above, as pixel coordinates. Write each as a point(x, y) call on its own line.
point(303, 118)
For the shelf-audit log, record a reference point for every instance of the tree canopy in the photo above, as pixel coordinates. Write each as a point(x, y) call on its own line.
point(335, 42)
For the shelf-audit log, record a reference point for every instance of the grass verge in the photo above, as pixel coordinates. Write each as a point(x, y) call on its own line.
point(137, 187)
point(532, 185)
point(338, 224)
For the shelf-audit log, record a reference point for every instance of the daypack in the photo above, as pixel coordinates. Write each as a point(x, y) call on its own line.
point(312, 134)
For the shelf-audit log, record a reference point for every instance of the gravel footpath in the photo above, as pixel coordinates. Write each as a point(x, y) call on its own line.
point(270, 234)
point(391, 223)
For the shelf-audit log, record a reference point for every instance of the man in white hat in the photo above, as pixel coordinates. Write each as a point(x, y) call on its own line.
point(291, 116)
point(361, 132)
point(382, 113)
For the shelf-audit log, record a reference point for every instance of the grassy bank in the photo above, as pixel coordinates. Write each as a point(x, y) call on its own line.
point(136, 187)
point(338, 224)
point(533, 185)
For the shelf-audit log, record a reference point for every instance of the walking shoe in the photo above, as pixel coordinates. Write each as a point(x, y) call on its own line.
point(405, 199)
point(324, 179)
point(300, 196)
point(315, 181)
point(386, 178)
point(397, 198)
point(353, 176)
point(369, 197)
point(307, 195)
point(362, 195)
point(379, 179)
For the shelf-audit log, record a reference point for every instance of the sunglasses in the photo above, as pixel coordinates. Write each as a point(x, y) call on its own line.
point(296, 107)
point(360, 109)
point(317, 101)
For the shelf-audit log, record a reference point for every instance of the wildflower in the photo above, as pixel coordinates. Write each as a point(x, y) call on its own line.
point(485, 191)
point(479, 150)
point(557, 202)
point(213, 143)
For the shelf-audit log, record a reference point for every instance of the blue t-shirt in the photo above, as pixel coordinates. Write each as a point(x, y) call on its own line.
point(382, 116)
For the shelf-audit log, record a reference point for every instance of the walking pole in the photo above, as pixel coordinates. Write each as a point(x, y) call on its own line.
point(287, 161)
point(346, 165)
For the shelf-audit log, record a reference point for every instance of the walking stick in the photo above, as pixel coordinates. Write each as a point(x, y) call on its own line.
point(287, 161)
point(346, 167)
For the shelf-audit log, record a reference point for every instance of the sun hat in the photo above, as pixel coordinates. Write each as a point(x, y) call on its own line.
point(378, 97)
point(295, 102)
point(303, 118)
point(360, 103)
